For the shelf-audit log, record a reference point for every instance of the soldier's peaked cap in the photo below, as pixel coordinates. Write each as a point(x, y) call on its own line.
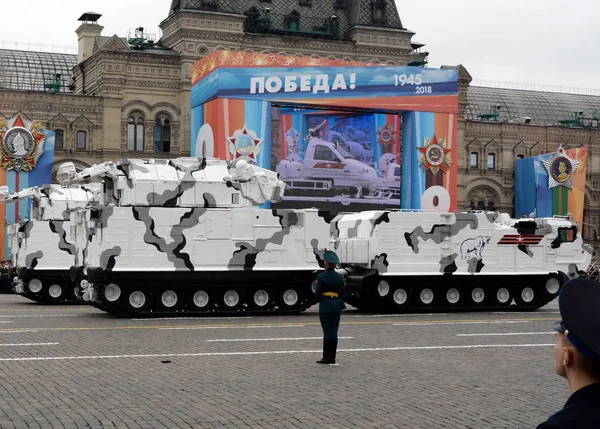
point(579, 304)
point(331, 257)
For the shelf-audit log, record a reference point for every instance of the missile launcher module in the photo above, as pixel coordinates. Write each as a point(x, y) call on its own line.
point(188, 235)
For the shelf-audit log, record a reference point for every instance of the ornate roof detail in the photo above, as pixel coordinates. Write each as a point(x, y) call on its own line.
point(317, 18)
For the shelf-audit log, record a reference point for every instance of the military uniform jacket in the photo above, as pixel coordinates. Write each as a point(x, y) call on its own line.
point(330, 281)
point(582, 410)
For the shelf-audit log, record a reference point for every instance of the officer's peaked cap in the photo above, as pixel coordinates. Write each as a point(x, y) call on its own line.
point(331, 257)
point(579, 304)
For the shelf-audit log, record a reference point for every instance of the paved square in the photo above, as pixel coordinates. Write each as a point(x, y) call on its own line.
point(77, 367)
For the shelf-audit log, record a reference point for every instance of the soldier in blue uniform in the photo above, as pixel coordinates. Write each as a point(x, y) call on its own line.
point(330, 289)
point(577, 355)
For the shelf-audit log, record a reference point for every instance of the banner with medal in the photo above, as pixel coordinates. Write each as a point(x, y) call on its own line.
point(27, 154)
point(551, 184)
point(375, 135)
point(429, 150)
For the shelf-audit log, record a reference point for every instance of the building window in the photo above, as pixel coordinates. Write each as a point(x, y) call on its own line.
point(491, 206)
point(292, 21)
point(480, 205)
point(135, 133)
point(81, 140)
point(474, 159)
point(59, 139)
point(491, 161)
point(378, 8)
point(162, 135)
point(210, 4)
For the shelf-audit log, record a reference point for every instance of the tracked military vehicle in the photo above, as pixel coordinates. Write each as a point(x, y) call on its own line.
point(188, 235)
point(42, 249)
point(406, 261)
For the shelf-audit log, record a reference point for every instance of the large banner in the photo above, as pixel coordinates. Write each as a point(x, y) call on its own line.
point(379, 88)
point(27, 152)
point(551, 184)
point(353, 136)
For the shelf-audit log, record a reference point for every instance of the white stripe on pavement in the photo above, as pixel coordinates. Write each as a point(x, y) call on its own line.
point(29, 344)
point(393, 315)
point(433, 322)
point(190, 318)
point(46, 315)
point(13, 331)
point(505, 334)
point(272, 339)
point(6, 321)
point(275, 352)
point(521, 312)
point(233, 327)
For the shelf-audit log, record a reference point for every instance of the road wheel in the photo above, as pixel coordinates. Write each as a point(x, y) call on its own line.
point(503, 297)
point(112, 292)
point(231, 300)
point(201, 300)
point(169, 300)
point(139, 301)
point(400, 298)
point(290, 299)
point(35, 285)
point(525, 296)
point(452, 296)
point(478, 296)
point(56, 292)
point(260, 299)
point(426, 296)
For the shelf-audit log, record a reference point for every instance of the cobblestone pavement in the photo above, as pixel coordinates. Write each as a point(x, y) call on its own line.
point(76, 367)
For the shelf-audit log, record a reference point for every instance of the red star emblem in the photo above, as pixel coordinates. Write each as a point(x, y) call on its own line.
point(432, 146)
point(247, 134)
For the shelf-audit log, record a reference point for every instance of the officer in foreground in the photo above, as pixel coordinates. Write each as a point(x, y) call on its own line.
point(577, 355)
point(329, 289)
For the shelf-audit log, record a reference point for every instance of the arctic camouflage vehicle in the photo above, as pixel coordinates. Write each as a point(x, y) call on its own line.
point(405, 261)
point(188, 236)
point(42, 249)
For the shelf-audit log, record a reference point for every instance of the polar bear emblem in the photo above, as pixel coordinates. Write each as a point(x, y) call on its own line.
point(473, 247)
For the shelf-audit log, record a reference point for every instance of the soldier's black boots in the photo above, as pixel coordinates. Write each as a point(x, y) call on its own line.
point(329, 350)
point(332, 350)
point(326, 352)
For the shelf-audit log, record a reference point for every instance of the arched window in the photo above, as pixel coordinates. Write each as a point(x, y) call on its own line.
point(474, 160)
point(162, 134)
point(486, 198)
point(135, 132)
point(59, 139)
point(81, 140)
point(491, 161)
